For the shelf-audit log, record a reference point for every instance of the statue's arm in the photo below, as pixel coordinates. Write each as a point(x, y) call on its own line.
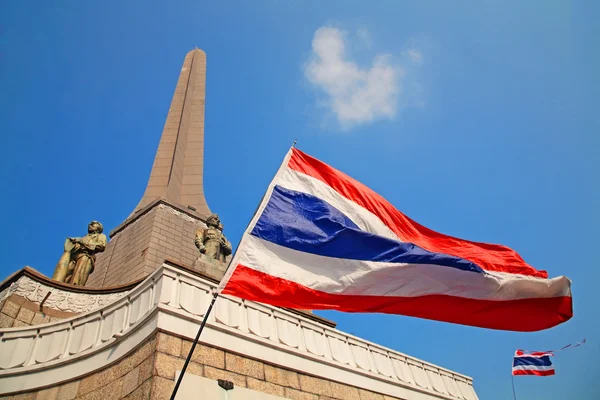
point(97, 245)
point(226, 246)
point(199, 240)
point(101, 246)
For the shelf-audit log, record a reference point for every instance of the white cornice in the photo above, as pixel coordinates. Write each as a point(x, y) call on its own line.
point(174, 301)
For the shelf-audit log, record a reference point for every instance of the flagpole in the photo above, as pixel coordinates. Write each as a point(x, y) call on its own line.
point(215, 294)
point(194, 343)
point(512, 377)
point(217, 291)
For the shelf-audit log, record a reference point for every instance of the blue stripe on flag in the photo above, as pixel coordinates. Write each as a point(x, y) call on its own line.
point(535, 361)
point(303, 222)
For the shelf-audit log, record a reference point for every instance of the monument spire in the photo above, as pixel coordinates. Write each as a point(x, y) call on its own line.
point(177, 172)
point(173, 209)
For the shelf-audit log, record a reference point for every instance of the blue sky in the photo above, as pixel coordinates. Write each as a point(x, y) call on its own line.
point(477, 119)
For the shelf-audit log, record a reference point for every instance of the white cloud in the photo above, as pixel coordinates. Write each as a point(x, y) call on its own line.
point(354, 95)
point(415, 56)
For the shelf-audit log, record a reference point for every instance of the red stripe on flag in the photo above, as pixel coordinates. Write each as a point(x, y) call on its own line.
point(533, 372)
point(533, 353)
point(523, 315)
point(491, 257)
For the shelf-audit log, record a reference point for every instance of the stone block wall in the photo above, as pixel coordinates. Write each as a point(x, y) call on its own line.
point(141, 245)
point(149, 373)
point(128, 379)
point(217, 364)
point(17, 311)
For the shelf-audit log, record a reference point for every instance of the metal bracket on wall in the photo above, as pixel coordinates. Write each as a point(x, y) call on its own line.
point(227, 385)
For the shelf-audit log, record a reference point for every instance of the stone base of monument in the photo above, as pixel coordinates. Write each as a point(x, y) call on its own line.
point(73, 342)
point(210, 267)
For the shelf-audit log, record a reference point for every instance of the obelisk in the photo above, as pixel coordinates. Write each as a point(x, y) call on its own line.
point(178, 166)
point(173, 206)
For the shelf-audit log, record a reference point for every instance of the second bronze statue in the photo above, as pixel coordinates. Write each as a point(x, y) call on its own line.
point(211, 241)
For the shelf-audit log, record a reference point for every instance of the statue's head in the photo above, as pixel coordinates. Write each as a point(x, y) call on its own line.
point(213, 220)
point(95, 227)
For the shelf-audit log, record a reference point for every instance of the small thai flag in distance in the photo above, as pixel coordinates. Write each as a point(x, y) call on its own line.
point(532, 363)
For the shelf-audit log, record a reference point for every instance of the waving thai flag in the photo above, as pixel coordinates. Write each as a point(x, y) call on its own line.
point(526, 362)
point(535, 363)
point(321, 240)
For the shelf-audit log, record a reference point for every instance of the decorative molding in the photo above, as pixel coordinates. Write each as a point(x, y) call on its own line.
point(194, 215)
point(174, 301)
point(162, 206)
point(54, 285)
point(60, 299)
point(184, 216)
point(5, 293)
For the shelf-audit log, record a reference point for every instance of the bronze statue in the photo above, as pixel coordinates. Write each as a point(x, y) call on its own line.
point(211, 241)
point(79, 257)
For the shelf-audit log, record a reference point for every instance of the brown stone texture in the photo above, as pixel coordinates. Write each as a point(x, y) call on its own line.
point(149, 373)
point(282, 377)
point(213, 363)
point(204, 355)
point(68, 391)
point(345, 392)
point(130, 381)
point(17, 311)
point(315, 385)
point(150, 236)
point(244, 366)
point(123, 379)
point(48, 394)
point(168, 344)
point(177, 172)
point(162, 388)
point(299, 395)
point(216, 374)
point(142, 392)
point(367, 395)
point(265, 387)
point(166, 366)
point(6, 321)
point(127, 378)
point(26, 396)
point(140, 246)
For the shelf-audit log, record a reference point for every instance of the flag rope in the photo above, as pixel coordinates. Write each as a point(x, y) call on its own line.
point(573, 345)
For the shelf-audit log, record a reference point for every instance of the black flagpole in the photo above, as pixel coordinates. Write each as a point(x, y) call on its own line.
point(513, 384)
point(210, 307)
point(189, 357)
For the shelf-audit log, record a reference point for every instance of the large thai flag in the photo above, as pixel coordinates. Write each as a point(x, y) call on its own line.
point(321, 240)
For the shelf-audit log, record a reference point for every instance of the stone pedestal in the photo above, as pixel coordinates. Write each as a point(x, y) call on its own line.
point(210, 267)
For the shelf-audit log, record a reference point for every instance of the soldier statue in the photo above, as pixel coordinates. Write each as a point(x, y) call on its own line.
point(79, 257)
point(211, 241)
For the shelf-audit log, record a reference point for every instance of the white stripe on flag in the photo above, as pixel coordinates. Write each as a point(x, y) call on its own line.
point(356, 277)
point(363, 218)
point(533, 368)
